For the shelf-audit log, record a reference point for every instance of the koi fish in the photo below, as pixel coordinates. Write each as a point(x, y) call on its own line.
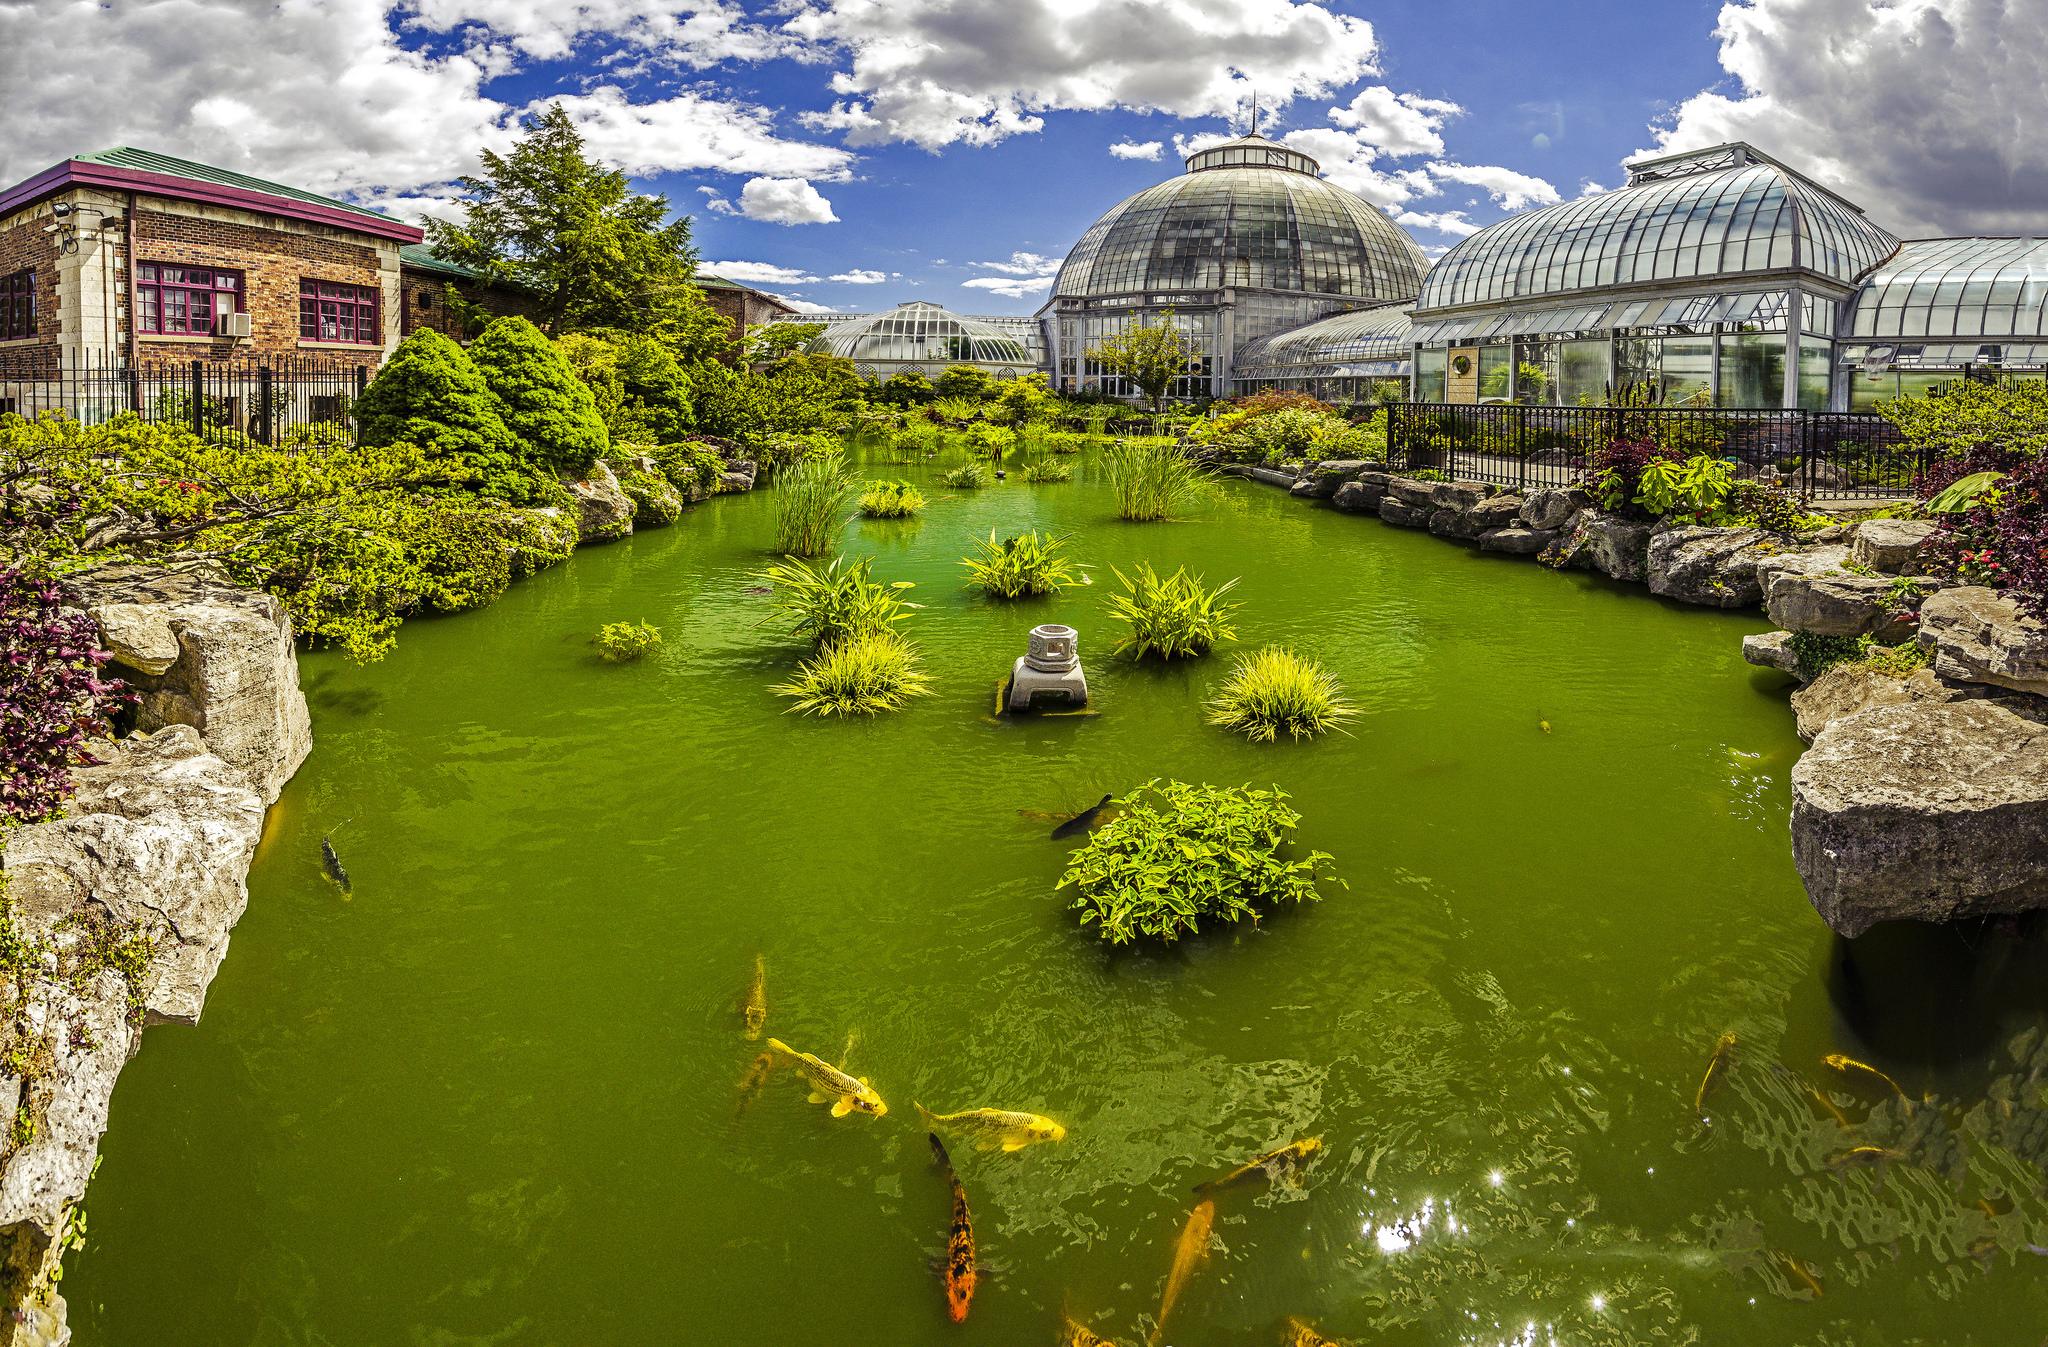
point(1074, 1333)
point(1864, 1155)
point(1800, 1272)
point(1717, 1067)
point(331, 862)
point(1541, 723)
point(992, 1127)
point(1301, 1334)
point(1281, 1164)
point(1187, 1255)
point(847, 1094)
point(1082, 821)
point(758, 1071)
point(1829, 1105)
point(1847, 1064)
point(959, 1269)
point(754, 1005)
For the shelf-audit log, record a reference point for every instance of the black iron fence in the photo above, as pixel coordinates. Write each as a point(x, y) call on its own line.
point(265, 400)
point(1826, 455)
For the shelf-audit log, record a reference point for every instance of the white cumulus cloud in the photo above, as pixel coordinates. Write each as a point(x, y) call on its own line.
point(1451, 222)
point(1011, 287)
point(861, 276)
point(1925, 112)
point(1130, 149)
point(783, 201)
point(1394, 123)
point(1509, 189)
point(759, 273)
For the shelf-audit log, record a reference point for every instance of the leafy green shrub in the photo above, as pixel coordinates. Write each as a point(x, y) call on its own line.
point(908, 389)
point(956, 410)
point(1025, 566)
point(691, 467)
point(1815, 654)
point(1427, 475)
point(540, 397)
point(1046, 472)
point(918, 437)
point(787, 448)
point(1695, 491)
point(968, 382)
point(1275, 689)
point(1900, 661)
point(811, 501)
point(891, 500)
point(1179, 854)
point(464, 558)
point(1173, 618)
point(656, 501)
point(539, 538)
point(1151, 481)
point(967, 477)
point(624, 642)
point(990, 442)
point(837, 603)
point(431, 394)
point(1770, 507)
point(641, 392)
point(860, 676)
point(1065, 442)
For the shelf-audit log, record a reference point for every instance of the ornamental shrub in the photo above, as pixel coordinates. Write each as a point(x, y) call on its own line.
point(1172, 617)
point(52, 697)
point(624, 642)
point(1275, 689)
point(431, 394)
point(965, 381)
point(1175, 855)
point(691, 466)
point(2002, 540)
point(641, 392)
point(656, 501)
point(540, 397)
point(1028, 565)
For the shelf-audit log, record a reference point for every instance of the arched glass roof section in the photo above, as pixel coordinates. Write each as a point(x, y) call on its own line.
point(1249, 213)
point(1977, 288)
point(1725, 212)
point(920, 333)
point(1372, 337)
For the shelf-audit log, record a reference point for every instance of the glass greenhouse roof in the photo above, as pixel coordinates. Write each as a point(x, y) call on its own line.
point(1370, 337)
point(1721, 212)
point(1229, 221)
point(1957, 288)
point(921, 333)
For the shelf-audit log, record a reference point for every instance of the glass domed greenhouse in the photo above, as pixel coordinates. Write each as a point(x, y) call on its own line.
point(922, 337)
point(1248, 242)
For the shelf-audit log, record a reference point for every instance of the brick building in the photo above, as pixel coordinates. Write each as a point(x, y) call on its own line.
point(742, 305)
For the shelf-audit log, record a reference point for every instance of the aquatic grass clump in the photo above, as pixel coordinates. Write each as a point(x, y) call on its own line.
point(970, 476)
point(1175, 617)
point(811, 499)
point(1046, 472)
point(836, 602)
point(1275, 689)
point(1025, 566)
point(1178, 854)
point(891, 500)
point(624, 642)
point(860, 676)
point(1152, 480)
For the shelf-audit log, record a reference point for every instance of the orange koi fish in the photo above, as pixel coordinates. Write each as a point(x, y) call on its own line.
point(959, 1270)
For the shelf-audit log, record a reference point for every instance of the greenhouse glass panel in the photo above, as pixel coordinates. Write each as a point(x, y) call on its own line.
point(1752, 369)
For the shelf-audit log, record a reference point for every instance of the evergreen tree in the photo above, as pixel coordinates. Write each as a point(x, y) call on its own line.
point(543, 403)
point(642, 394)
point(431, 394)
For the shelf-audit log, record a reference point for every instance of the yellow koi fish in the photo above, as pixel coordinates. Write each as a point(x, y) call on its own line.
point(1717, 1067)
point(1801, 1273)
point(1301, 1334)
point(1187, 1256)
point(992, 1127)
point(1074, 1333)
point(829, 1082)
point(1864, 1155)
point(1847, 1064)
point(754, 1005)
point(1281, 1164)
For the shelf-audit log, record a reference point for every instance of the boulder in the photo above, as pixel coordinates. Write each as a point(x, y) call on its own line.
point(738, 477)
point(1980, 636)
point(1926, 811)
point(1358, 498)
point(1711, 566)
point(1272, 476)
point(1321, 480)
point(1831, 603)
point(1459, 496)
point(1615, 547)
point(1419, 495)
point(603, 511)
point(1446, 522)
point(1553, 508)
point(201, 652)
point(1397, 511)
point(1496, 512)
point(1844, 689)
point(1895, 545)
point(1772, 650)
point(1517, 541)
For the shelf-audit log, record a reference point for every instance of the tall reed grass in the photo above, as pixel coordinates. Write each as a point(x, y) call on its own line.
point(1275, 689)
point(859, 676)
point(1171, 617)
point(811, 505)
point(1022, 567)
point(1152, 481)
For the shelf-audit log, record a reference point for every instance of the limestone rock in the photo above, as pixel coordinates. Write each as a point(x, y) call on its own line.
point(1895, 545)
point(1553, 508)
point(1495, 512)
point(1715, 567)
point(1358, 498)
point(1417, 495)
point(1609, 544)
point(1458, 496)
point(1518, 542)
point(603, 511)
point(1980, 636)
point(1844, 689)
point(1446, 522)
point(1397, 511)
point(234, 676)
point(1772, 650)
point(1829, 602)
point(738, 477)
point(1926, 811)
point(1322, 480)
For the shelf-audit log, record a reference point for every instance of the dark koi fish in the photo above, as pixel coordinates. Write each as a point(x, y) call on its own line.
point(332, 864)
point(1082, 821)
point(959, 1270)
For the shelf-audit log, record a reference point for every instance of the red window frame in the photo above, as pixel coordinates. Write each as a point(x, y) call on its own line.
point(180, 301)
point(18, 305)
point(332, 311)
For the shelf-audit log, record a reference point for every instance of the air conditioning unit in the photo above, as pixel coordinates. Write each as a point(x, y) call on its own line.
point(231, 325)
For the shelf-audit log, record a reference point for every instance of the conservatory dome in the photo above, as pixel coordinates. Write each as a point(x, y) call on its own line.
point(1249, 213)
point(1691, 218)
point(922, 337)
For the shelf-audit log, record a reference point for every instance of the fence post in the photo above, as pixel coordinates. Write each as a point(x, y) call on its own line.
point(197, 411)
point(1518, 422)
point(1807, 476)
point(1393, 433)
point(266, 416)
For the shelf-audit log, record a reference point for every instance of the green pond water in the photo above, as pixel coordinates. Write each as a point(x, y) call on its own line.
point(491, 1098)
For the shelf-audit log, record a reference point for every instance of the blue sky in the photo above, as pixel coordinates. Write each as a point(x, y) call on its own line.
point(855, 153)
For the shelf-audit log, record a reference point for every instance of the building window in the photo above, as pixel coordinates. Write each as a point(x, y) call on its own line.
point(329, 311)
point(18, 305)
point(183, 301)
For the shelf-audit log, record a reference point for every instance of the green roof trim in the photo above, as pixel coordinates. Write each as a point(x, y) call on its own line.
point(149, 161)
point(422, 258)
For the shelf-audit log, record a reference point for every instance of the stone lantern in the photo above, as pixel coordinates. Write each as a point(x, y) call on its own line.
point(1048, 675)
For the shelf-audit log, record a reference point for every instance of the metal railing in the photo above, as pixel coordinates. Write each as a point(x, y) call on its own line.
point(1828, 455)
point(261, 399)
